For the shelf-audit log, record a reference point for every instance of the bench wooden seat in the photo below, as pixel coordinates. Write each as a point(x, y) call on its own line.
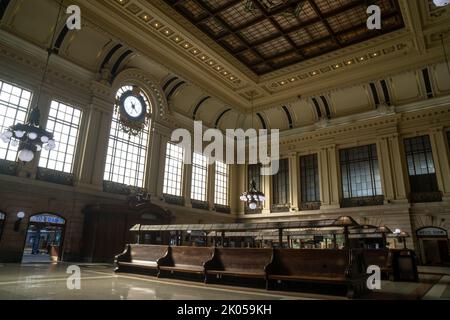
point(245, 263)
point(343, 267)
point(186, 259)
point(321, 279)
point(140, 257)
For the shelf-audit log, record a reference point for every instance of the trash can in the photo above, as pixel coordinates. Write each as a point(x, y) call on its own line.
point(404, 266)
point(54, 253)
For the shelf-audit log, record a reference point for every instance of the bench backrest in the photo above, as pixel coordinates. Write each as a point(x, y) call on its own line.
point(151, 253)
point(245, 260)
point(378, 257)
point(311, 262)
point(190, 256)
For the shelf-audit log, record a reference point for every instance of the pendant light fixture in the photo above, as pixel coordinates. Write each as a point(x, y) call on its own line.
point(30, 137)
point(441, 3)
point(253, 196)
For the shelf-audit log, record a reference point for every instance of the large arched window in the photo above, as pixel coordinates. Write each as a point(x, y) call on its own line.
point(127, 154)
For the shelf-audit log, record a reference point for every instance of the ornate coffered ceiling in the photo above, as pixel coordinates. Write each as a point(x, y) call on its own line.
point(154, 36)
point(267, 35)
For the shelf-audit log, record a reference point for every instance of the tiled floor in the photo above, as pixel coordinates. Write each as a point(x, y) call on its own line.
point(49, 281)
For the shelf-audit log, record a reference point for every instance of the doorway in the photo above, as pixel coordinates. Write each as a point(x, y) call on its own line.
point(434, 246)
point(44, 241)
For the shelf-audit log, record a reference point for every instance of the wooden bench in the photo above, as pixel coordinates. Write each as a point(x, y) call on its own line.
point(186, 260)
point(138, 257)
point(337, 267)
point(245, 263)
point(381, 258)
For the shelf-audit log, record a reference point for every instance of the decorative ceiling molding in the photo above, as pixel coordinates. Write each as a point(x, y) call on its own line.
point(164, 28)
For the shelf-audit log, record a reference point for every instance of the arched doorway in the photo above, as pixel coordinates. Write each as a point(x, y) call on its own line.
point(434, 245)
point(2, 223)
point(44, 239)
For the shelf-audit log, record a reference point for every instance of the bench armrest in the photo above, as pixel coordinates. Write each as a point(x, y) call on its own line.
point(166, 260)
point(208, 265)
point(270, 267)
point(125, 256)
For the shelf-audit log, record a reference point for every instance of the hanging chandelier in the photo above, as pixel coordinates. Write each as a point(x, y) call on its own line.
point(30, 137)
point(253, 196)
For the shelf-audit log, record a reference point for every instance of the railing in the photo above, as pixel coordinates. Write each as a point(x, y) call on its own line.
point(176, 200)
point(54, 176)
point(116, 188)
point(362, 202)
point(203, 205)
point(276, 208)
point(308, 206)
point(423, 197)
point(9, 168)
point(222, 209)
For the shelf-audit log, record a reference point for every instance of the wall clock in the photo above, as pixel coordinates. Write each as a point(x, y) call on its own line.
point(133, 111)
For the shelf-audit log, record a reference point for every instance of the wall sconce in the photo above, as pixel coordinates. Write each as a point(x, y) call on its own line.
point(20, 216)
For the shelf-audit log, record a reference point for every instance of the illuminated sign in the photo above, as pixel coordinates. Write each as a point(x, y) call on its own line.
point(2, 216)
point(45, 218)
point(431, 232)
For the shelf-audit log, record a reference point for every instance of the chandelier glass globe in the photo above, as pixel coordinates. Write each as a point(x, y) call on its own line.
point(32, 135)
point(19, 134)
point(441, 3)
point(253, 205)
point(26, 155)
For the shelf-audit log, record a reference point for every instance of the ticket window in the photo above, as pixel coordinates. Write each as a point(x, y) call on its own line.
point(44, 239)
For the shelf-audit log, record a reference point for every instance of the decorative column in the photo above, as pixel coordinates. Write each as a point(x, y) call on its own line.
point(211, 185)
point(187, 183)
point(391, 168)
point(267, 189)
point(398, 163)
point(241, 183)
point(97, 123)
point(155, 176)
point(294, 170)
point(441, 159)
point(385, 169)
point(329, 177)
point(235, 177)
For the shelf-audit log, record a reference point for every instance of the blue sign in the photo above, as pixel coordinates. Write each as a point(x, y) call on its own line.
point(46, 218)
point(2, 216)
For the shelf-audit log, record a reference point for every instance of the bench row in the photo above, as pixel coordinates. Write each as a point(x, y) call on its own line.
point(340, 267)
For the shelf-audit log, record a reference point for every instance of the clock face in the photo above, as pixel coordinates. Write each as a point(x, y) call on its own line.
point(133, 107)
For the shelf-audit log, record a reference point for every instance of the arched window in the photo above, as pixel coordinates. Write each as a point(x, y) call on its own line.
point(127, 154)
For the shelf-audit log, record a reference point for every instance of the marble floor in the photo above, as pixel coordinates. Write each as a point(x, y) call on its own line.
point(98, 282)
